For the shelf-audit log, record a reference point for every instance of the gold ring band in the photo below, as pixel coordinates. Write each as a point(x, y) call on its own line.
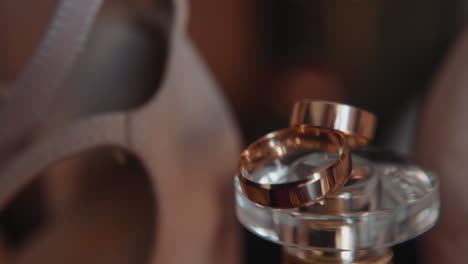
point(279, 146)
point(357, 124)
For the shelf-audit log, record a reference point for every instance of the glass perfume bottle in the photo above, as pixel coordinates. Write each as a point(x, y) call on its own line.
point(383, 202)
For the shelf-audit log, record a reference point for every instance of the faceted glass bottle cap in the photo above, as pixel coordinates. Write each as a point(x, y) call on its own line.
point(383, 204)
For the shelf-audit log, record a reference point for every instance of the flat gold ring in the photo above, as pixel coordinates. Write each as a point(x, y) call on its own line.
point(357, 124)
point(281, 145)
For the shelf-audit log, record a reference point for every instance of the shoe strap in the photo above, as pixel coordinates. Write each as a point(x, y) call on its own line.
point(48, 69)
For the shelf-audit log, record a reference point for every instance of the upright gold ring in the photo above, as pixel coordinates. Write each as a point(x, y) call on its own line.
point(357, 124)
point(272, 153)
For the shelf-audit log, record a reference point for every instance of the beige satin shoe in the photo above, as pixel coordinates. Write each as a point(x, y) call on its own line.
point(147, 185)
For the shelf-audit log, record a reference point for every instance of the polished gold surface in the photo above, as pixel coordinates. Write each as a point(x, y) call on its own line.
point(281, 145)
point(358, 125)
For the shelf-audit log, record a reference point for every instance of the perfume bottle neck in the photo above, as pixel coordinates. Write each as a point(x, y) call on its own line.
point(298, 256)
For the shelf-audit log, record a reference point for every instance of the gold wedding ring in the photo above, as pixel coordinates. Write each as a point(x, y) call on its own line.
point(266, 170)
point(358, 125)
point(272, 153)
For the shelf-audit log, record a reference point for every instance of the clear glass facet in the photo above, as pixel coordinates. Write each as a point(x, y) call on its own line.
point(383, 204)
point(293, 167)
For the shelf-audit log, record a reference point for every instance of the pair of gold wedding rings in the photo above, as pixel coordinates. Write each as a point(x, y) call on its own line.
point(315, 126)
